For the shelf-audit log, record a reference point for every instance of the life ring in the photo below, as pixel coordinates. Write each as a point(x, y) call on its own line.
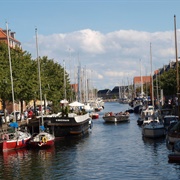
point(44, 140)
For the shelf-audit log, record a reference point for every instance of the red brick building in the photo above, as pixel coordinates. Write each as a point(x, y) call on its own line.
point(12, 41)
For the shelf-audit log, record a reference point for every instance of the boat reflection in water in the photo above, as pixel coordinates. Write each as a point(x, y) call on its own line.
point(18, 163)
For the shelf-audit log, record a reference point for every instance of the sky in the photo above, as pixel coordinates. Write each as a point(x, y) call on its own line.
point(112, 40)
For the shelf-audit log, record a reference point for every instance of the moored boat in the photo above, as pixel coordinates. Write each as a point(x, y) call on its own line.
point(71, 125)
point(153, 129)
point(169, 119)
point(173, 133)
point(174, 157)
point(94, 115)
point(42, 139)
point(14, 139)
point(62, 124)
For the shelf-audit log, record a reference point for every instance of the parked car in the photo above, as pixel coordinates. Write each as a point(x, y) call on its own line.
point(16, 114)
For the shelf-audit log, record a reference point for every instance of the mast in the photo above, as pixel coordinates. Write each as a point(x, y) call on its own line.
point(39, 76)
point(79, 85)
point(64, 80)
point(141, 79)
point(152, 86)
point(177, 66)
point(10, 66)
point(157, 89)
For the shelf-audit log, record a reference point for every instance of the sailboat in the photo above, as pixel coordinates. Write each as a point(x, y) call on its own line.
point(173, 134)
point(41, 139)
point(15, 139)
point(138, 102)
point(153, 127)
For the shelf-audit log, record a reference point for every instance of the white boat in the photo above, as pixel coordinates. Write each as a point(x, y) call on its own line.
point(42, 139)
point(116, 117)
point(153, 128)
point(88, 108)
point(145, 115)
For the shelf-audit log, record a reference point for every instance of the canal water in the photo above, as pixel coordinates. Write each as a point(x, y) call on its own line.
point(109, 151)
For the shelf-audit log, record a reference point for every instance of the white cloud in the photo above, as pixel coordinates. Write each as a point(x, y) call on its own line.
point(112, 56)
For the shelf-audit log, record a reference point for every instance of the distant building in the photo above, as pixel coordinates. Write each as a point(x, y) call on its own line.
point(74, 87)
point(104, 93)
point(12, 41)
point(137, 81)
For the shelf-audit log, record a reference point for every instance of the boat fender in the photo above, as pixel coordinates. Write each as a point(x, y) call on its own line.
point(44, 140)
point(2, 137)
point(5, 137)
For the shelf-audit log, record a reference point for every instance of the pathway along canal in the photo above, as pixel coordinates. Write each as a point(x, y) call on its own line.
point(109, 151)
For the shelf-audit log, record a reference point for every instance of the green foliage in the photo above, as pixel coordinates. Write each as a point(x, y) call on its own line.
point(167, 82)
point(25, 77)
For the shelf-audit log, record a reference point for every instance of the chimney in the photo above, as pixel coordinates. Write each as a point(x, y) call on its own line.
point(12, 34)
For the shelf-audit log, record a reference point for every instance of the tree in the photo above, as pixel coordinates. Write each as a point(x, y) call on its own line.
point(167, 82)
point(25, 78)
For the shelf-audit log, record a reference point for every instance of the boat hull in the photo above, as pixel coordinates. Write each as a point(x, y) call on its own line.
point(94, 116)
point(41, 144)
point(42, 139)
point(172, 137)
point(174, 158)
point(6, 145)
point(113, 119)
point(65, 126)
point(153, 132)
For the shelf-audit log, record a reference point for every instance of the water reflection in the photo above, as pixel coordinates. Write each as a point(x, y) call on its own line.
point(109, 151)
point(19, 163)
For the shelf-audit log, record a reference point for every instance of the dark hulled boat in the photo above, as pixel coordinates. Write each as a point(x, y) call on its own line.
point(62, 126)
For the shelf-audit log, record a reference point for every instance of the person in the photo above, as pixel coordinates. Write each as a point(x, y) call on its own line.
point(30, 113)
point(25, 114)
point(1, 121)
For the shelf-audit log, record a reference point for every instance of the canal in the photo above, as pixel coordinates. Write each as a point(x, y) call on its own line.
point(109, 151)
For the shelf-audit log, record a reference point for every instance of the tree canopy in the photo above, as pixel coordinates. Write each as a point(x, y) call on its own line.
point(25, 77)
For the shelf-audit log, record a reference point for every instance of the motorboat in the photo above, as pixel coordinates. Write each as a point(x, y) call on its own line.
point(116, 117)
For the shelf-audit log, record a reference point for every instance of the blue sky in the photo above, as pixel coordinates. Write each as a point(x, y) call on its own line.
point(108, 37)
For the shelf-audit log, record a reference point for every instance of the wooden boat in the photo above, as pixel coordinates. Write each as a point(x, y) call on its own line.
point(116, 117)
